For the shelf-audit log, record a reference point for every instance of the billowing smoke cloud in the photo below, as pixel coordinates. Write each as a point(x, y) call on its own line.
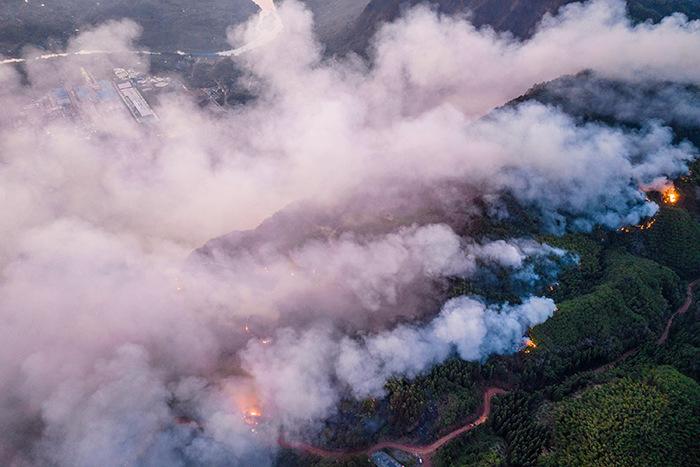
point(359, 281)
point(476, 70)
point(301, 374)
point(266, 29)
point(589, 156)
point(115, 335)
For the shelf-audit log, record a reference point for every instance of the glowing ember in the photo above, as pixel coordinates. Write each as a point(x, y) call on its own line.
point(529, 345)
point(645, 226)
point(249, 406)
point(671, 195)
point(252, 415)
point(648, 224)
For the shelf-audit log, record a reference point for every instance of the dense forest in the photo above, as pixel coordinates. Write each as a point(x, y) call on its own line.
point(599, 390)
point(598, 387)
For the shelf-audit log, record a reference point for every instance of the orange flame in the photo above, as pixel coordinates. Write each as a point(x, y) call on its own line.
point(252, 415)
point(249, 406)
point(648, 224)
point(670, 195)
point(529, 345)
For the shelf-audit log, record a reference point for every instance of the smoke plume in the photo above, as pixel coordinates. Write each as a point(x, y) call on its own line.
point(157, 282)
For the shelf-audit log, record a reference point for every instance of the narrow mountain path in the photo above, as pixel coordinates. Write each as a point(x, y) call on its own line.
point(425, 452)
point(681, 311)
point(422, 451)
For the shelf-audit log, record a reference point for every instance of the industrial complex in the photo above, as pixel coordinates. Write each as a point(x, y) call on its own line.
point(126, 91)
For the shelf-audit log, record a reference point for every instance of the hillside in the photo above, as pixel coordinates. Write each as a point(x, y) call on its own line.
point(520, 17)
point(171, 25)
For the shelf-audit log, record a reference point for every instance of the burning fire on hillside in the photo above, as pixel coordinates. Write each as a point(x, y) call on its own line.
point(647, 225)
point(670, 195)
point(249, 407)
point(252, 416)
point(530, 345)
point(666, 188)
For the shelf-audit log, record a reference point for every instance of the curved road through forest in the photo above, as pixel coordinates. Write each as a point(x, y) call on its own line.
point(682, 310)
point(422, 451)
point(426, 451)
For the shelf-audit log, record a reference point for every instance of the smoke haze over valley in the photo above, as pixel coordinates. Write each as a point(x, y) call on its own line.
point(189, 288)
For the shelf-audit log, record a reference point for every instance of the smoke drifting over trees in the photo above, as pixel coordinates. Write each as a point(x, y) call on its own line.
point(112, 328)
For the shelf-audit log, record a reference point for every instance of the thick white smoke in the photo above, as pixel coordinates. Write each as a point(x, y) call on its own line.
point(302, 374)
point(112, 329)
point(352, 279)
point(266, 29)
point(477, 70)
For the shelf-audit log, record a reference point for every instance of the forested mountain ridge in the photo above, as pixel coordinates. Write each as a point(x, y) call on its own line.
point(519, 17)
point(598, 387)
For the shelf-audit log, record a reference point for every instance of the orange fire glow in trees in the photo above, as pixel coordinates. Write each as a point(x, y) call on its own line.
point(670, 195)
point(529, 345)
point(252, 415)
point(249, 406)
point(245, 401)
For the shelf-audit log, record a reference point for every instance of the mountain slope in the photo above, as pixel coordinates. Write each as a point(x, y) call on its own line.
point(167, 25)
point(519, 17)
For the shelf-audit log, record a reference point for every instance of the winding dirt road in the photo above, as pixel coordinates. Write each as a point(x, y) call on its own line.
point(422, 451)
point(426, 451)
point(682, 310)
